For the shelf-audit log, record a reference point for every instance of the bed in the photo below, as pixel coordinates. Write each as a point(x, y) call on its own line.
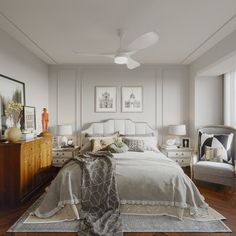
point(148, 182)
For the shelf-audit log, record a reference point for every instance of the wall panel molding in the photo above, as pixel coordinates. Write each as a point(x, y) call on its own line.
point(77, 84)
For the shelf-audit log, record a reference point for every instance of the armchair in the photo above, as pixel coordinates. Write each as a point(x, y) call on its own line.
point(215, 172)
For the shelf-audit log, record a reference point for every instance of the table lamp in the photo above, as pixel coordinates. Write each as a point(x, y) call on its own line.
point(64, 131)
point(177, 130)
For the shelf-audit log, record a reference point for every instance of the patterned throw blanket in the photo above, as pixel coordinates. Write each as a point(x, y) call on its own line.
point(100, 201)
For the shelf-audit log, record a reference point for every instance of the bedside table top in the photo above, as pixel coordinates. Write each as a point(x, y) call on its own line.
point(69, 149)
point(177, 149)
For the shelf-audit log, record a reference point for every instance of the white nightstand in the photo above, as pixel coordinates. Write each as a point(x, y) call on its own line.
point(183, 156)
point(61, 155)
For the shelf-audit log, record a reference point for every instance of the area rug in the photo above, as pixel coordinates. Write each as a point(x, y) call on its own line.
point(130, 223)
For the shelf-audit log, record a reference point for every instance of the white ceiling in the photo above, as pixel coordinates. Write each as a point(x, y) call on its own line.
point(52, 29)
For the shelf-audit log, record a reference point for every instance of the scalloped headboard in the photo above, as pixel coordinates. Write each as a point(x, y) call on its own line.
point(124, 127)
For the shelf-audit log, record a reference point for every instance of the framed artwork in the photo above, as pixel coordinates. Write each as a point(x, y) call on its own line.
point(132, 99)
point(105, 99)
point(29, 119)
point(10, 90)
point(186, 142)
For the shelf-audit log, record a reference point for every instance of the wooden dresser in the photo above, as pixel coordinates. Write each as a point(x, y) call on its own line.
point(24, 167)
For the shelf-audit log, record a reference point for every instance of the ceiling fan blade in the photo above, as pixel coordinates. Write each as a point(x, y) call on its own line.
point(131, 64)
point(94, 54)
point(144, 41)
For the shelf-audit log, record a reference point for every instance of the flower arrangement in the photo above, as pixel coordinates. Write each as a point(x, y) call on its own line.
point(14, 112)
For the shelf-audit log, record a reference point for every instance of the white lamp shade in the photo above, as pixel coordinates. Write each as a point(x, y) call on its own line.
point(177, 129)
point(64, 130)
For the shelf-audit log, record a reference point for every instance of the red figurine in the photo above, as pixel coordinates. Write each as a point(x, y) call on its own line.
point(45, 120)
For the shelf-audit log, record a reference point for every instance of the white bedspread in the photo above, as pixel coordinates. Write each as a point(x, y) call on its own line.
point(147, 182)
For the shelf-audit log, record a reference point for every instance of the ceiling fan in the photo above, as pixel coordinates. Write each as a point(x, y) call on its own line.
point(123, 54)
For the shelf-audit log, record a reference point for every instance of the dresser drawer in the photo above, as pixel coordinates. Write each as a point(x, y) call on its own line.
point(179, 154)
point(62, 154)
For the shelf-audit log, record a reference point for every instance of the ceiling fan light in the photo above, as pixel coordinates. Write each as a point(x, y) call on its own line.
point(121, 59)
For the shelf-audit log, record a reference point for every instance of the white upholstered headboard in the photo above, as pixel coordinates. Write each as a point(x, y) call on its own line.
point(124, 127)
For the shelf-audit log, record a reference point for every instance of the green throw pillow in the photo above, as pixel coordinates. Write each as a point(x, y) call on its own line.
point(118, 147)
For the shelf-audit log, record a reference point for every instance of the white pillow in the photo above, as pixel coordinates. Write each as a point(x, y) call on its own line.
point(150, 143)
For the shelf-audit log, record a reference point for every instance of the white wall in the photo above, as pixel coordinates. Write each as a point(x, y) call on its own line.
point(209, 101)
point(20, 64)
point(212, 64)
point(165, 94)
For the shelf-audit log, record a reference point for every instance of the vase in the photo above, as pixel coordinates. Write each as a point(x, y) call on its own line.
point(13, 134)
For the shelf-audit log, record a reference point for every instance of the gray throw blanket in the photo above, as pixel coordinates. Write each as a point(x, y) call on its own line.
point(99, 195)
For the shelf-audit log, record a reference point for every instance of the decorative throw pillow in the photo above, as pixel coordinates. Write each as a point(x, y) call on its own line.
point(213, 154)
point(135, 145)
point(223, 141)
point(86, 140)
point(118, 147)
point(101, 144)
point(150, 143)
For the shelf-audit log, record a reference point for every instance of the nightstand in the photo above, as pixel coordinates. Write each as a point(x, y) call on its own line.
point(183, 156)
point(61, 155)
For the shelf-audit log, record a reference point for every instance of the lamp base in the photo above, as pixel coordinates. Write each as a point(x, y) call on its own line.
point(178, 141)
point(64, 141)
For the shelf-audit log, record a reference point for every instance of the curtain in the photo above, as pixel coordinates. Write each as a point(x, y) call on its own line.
point(230, 98)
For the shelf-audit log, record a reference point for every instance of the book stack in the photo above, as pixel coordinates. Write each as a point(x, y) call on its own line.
point(27, 136)
point(165, 146)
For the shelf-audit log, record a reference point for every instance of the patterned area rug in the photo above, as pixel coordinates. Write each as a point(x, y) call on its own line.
point(130, 223)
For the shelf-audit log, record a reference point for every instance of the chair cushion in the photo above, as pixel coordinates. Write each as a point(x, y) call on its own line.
point(214, 168)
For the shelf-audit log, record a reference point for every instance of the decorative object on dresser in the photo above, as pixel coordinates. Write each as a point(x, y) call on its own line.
point(10, 90)
point(64, 131)
point(177, 131)
point(105, 99)
point(24, 167)
point(45, 120)
point(60, 156)
point(14, 114)
point(132, 99)
point(183, 156)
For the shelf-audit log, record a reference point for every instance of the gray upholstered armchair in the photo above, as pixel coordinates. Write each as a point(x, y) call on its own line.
point(215, 172)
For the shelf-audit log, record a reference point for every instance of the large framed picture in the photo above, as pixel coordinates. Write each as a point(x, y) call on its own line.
point(29, 119)
point(132, 99)
point(105, 99)
point(10, 90)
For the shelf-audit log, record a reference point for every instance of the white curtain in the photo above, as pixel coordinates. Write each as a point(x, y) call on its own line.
point(230, 98)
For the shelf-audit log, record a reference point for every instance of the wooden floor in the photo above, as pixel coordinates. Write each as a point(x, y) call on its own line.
point(222, 199)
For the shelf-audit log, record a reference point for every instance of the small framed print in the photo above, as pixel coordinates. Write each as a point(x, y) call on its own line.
point(132, 99)
point(105, 99)
point(186, 142)
point(29, 120)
